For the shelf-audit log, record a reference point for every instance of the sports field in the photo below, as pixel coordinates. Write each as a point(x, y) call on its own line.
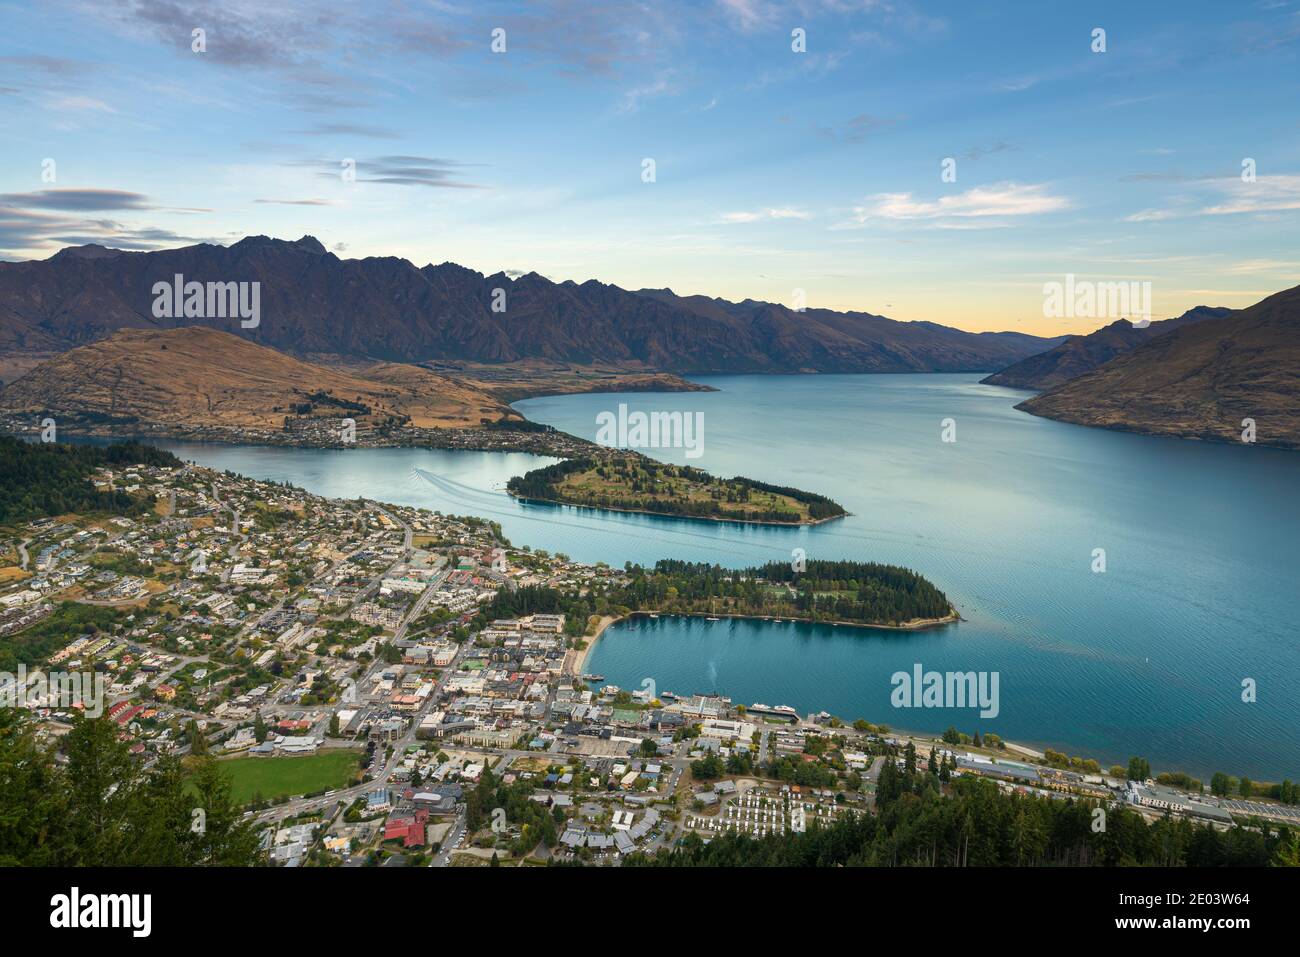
point(269, 778)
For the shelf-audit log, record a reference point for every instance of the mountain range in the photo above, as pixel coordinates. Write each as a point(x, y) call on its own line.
point(1201, 380)
point(314, 304)
point(1080, 354)
point(426, 346)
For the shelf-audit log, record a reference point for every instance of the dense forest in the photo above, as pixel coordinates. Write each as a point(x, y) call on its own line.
point(638, 483)
point(859, 592)
point(822, 591)
point(103, 808)
point(39, 479)
point(975, 824)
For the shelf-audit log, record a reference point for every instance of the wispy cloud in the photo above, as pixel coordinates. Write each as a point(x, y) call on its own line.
point(660, 86)
point(77, 104)
point(749, 14)
point(1265, 194)
point(979, 152)
point(1150, 216)
point(297, 202)
point(857, 128)
point(398, 171)
point(350, 129)
point(25, 230)
point(1253, 266)
point(755, 216)
point(1001, 199)
point(80, 200)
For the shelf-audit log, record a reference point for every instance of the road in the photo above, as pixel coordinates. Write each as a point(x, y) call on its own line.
point(399, 746)
point(234, 527)
point(453, 838)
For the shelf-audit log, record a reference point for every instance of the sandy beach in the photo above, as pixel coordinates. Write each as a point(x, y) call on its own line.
point(583, 655)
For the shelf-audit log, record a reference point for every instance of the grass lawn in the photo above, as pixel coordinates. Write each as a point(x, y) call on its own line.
point(299, 774)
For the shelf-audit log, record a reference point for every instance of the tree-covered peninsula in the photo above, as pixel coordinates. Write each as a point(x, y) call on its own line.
point(856, 593)
point(634, 483)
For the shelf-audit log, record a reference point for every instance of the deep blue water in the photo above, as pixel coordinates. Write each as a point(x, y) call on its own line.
point(1200, 590)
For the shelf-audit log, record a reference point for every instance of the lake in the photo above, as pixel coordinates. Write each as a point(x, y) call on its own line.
point(1201, 546)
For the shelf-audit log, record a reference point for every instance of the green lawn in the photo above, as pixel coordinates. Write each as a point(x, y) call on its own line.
point(301, 774)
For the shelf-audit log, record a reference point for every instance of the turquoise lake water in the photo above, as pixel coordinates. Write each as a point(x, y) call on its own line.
point(1202, 550)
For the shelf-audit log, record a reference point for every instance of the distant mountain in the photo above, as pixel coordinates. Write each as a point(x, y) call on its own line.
point(313, 303)
point(822, 340)
point(1080, 354)
point(1198, 381)
point(198, 377)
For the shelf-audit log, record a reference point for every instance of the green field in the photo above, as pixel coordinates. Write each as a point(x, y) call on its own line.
point(270, 778)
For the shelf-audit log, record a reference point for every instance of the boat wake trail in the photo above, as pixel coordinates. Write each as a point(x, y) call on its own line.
point(503, 506)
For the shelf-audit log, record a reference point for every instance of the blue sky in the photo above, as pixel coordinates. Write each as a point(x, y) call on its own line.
point(774, 170)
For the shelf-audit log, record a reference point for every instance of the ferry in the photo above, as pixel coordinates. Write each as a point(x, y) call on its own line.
point(592, 677)
point(780, 711)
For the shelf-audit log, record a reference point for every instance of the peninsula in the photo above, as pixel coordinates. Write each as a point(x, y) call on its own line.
point(630, 482)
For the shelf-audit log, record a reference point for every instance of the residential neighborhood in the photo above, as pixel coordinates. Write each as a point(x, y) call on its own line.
point(342, 660)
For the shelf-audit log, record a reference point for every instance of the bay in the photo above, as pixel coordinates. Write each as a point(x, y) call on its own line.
point(1201, 542)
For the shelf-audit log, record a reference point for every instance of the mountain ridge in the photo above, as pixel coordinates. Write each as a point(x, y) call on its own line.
point(1083, 353)
point(385, 308)
point(1200, 381)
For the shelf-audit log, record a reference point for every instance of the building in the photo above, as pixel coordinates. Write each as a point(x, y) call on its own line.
point(410, 827)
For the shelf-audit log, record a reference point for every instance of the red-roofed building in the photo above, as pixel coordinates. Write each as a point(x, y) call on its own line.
point(124, 717)
point(118, 708)
point(407, 827)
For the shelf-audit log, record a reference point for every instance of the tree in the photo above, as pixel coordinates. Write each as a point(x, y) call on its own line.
point(1220, 784)
point(194, 734)
point(227, 838)
point(103, 808)
point(259, 728)
point(1139, 769)
point(102, 780)
point(1246, 787)
point(334, 725)
point(648, 747)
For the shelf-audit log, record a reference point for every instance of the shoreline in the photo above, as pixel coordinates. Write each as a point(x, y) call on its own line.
point(554, 444)
point(689, 518)
point(1021, 750)
point(918, 624)
point(580, 666)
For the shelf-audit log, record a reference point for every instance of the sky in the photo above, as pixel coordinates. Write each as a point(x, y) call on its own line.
point(924, 161)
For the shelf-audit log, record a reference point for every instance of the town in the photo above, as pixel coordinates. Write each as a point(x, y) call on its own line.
point(357, 670)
